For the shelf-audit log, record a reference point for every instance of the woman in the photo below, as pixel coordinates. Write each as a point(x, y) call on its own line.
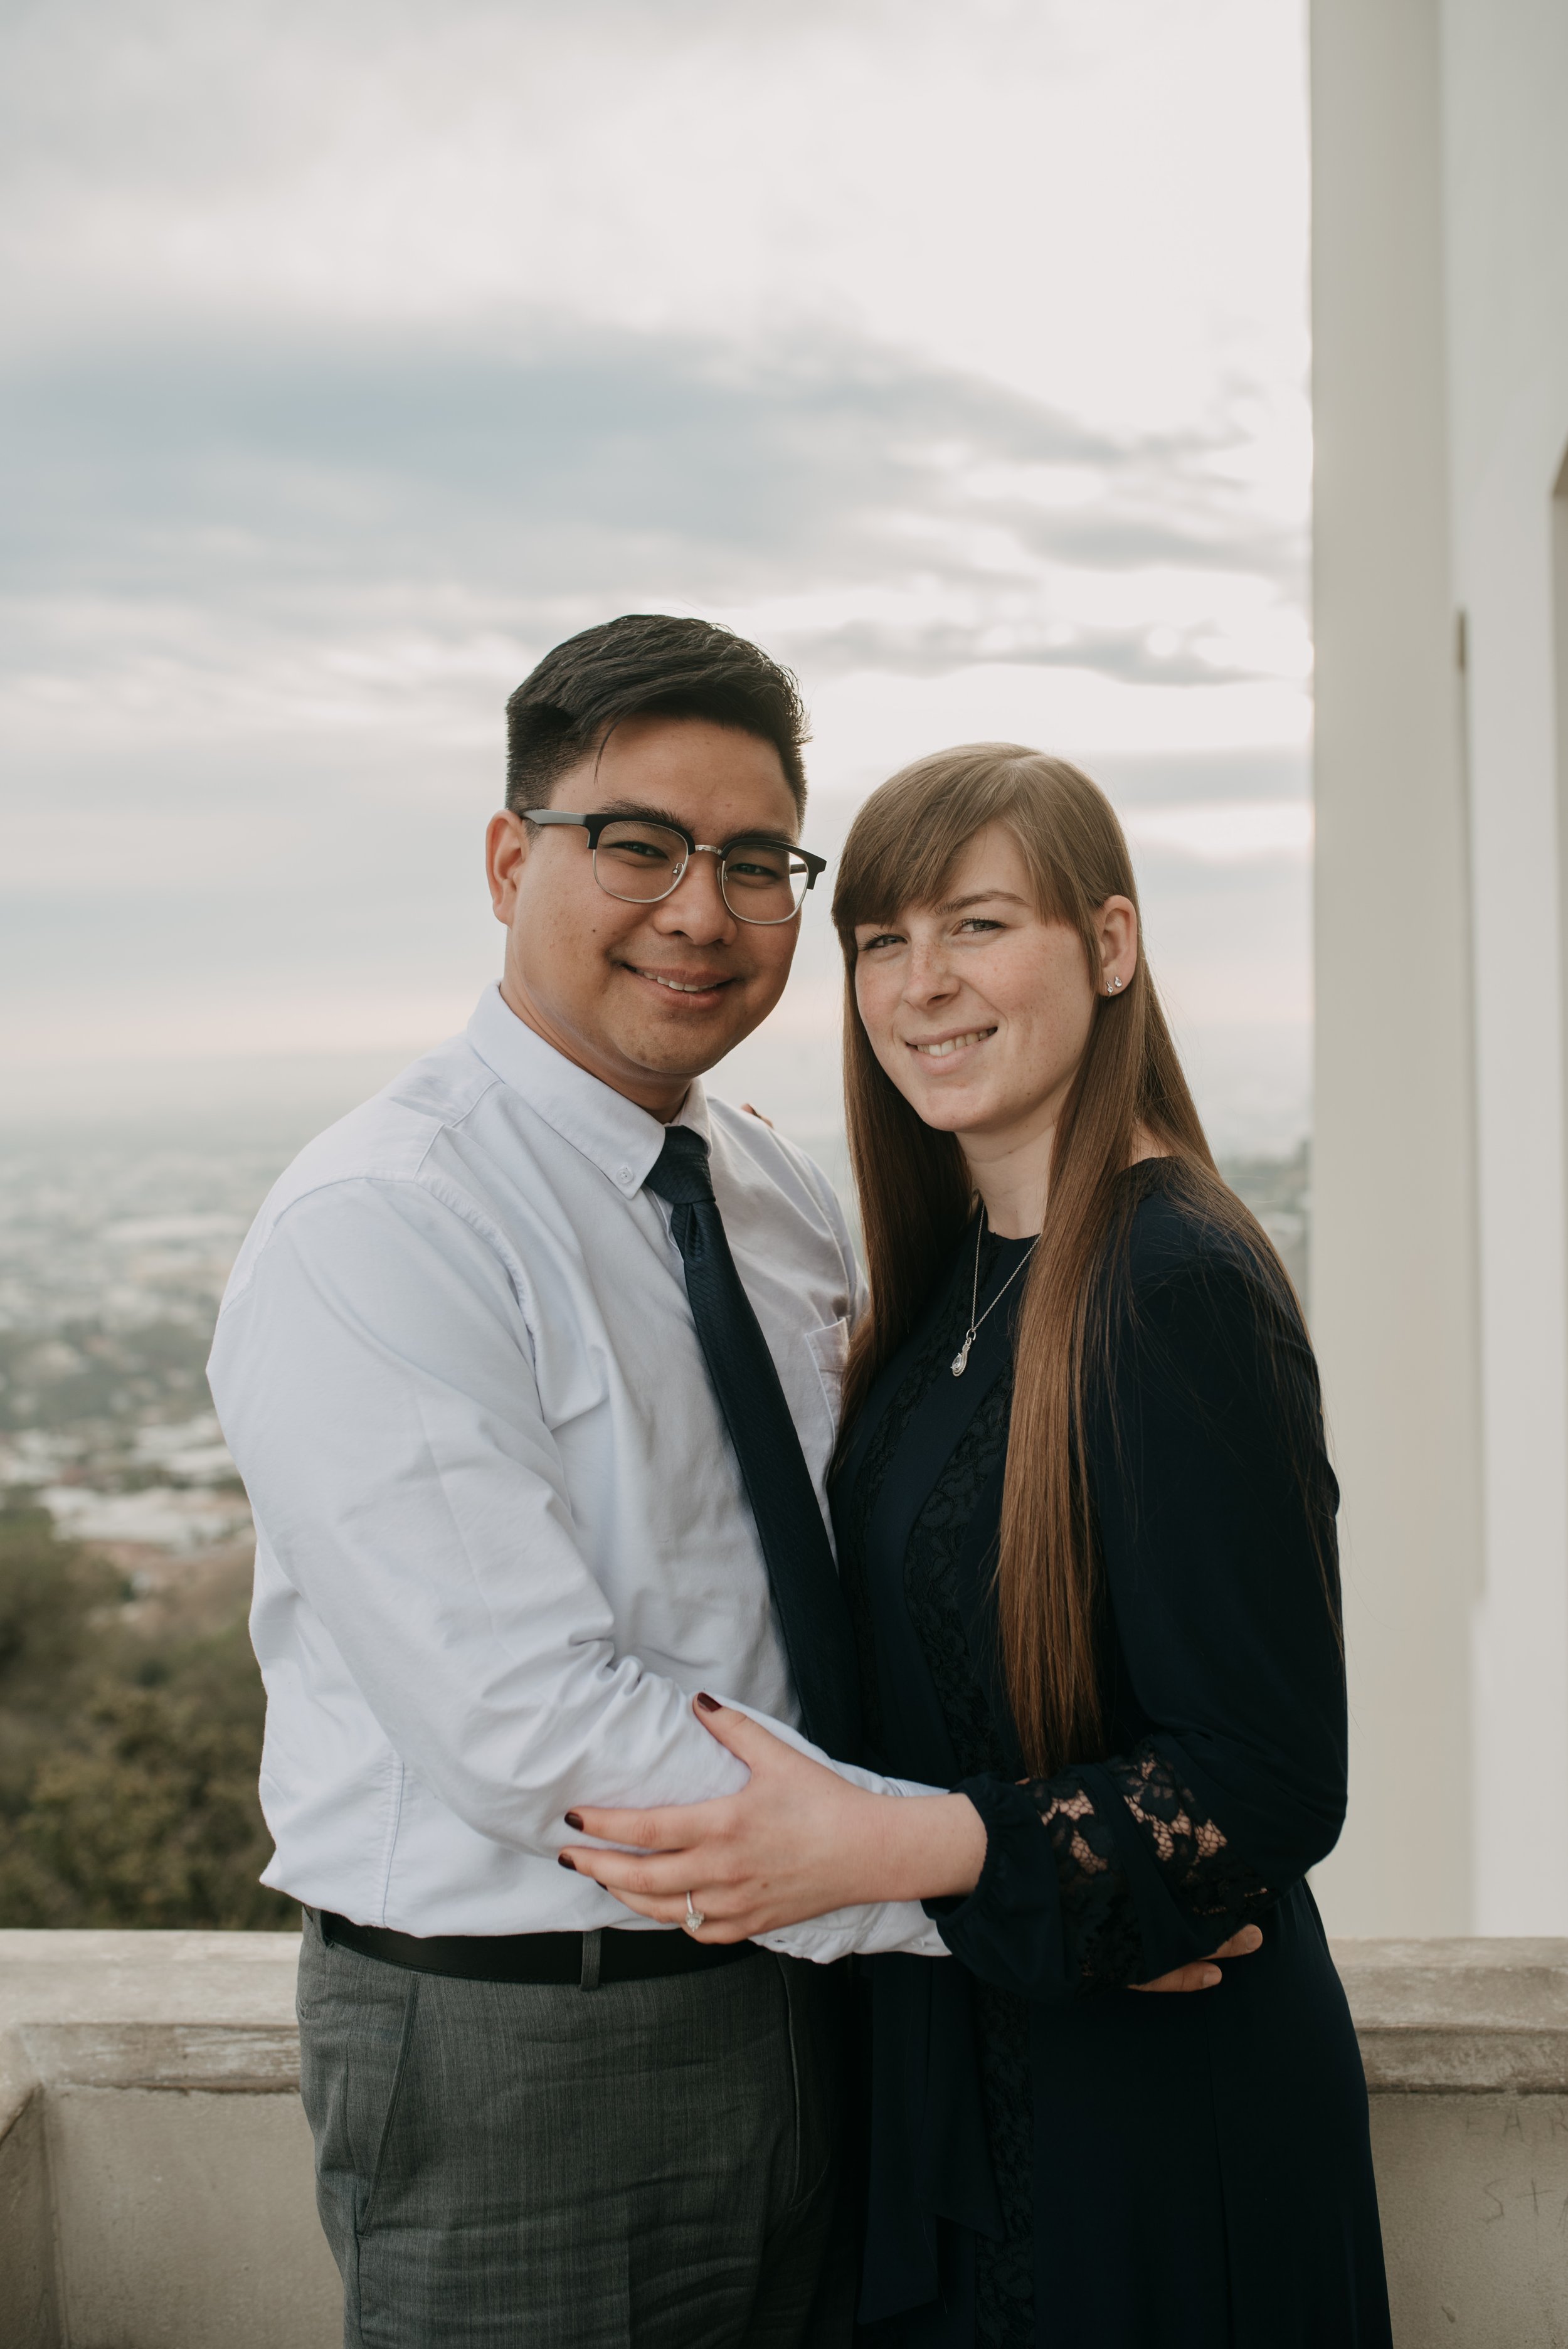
point(1085, 1528)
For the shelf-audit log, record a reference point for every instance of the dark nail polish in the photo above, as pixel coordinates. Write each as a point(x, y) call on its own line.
point(573, 1822)
point(709, 1703)
point(561, 1861)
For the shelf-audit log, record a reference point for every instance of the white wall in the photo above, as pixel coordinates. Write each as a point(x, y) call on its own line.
point(1505, 140)
point(1393, 1280)
point(1441, 294)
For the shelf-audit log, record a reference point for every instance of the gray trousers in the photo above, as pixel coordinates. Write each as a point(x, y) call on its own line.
point(648, 2163)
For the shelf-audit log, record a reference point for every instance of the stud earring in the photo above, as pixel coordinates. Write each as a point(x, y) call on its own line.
point(1113, 985)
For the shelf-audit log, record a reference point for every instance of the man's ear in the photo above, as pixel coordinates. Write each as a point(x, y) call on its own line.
point(506, 853)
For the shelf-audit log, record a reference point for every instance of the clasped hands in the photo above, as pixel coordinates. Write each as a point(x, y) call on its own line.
point(796, 1842)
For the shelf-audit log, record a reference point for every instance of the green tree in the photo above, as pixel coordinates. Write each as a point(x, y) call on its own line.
point(128, 1765)
point(50, 1593)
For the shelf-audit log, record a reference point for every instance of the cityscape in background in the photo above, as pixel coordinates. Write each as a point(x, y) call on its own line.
point(114, 1249)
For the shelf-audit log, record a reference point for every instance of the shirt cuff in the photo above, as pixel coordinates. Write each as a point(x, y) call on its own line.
point(882, 1929)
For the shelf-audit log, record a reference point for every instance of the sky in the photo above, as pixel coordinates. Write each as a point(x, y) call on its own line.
point(954, 349)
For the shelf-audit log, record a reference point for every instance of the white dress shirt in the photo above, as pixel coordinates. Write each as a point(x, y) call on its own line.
point(501, 1535)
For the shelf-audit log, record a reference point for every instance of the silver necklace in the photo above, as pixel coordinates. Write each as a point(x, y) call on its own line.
point(960, 1362)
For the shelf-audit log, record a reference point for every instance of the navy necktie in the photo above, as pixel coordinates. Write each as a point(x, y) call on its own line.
point(807, 1599)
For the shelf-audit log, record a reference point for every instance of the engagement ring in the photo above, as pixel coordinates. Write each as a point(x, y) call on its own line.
point(695, 1919)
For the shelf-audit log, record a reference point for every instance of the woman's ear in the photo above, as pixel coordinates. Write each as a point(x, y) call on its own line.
point(1116, 928)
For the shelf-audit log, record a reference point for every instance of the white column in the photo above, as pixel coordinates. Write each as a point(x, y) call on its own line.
point(1394, 1233)
point(1506, 174)
point(1521, 1642)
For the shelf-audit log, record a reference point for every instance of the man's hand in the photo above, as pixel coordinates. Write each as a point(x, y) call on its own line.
point(1203, 1973)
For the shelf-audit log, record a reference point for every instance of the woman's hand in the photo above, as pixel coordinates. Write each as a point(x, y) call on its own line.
point(1202, 1973)
point(796, 1842)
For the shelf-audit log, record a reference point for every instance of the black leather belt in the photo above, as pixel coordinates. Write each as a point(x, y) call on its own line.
point(583, 1960)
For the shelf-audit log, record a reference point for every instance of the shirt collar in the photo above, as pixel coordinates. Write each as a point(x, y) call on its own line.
point(622, 1139)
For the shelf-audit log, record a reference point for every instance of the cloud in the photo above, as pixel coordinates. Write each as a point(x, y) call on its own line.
point(359, 351)
point(205, 447)
point(357, 354)
point(360, 528)
point(1227, 832)
point(1057, 192)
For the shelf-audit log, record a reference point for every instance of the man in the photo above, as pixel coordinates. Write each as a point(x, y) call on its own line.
point(531, 1366)
point(507, 1528)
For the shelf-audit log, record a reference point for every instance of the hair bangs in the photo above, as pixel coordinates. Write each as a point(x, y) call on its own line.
point(909, 838)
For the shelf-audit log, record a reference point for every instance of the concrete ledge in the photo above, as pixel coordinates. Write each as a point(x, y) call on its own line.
point(242, 1979)
point(218, 2057)
point(157, 2191)
point(156, 2180)
point(1459, 2017)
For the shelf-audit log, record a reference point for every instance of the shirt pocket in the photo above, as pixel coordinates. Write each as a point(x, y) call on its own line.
point(829, 1350)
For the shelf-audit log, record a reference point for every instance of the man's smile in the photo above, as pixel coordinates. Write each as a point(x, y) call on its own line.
point(707, 984)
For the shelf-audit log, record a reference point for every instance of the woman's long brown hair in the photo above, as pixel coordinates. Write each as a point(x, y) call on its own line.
point(915, 1195)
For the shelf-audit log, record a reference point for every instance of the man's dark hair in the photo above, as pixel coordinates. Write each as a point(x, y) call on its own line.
point(645, 664)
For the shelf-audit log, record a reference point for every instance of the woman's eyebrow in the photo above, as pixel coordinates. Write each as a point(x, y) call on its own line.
point(981, 897)
point(953, 905)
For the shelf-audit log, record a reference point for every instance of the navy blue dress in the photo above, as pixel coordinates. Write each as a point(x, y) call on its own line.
point(1053, 2158)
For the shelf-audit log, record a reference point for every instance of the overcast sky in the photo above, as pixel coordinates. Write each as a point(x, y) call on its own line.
point(356, 353)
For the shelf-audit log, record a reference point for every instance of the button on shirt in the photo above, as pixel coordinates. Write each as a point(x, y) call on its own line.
point(501, 1537)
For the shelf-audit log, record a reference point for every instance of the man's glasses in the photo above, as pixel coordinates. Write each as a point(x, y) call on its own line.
point(762, 880)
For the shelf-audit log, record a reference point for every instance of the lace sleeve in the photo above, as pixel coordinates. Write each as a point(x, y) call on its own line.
point(1202, 1874)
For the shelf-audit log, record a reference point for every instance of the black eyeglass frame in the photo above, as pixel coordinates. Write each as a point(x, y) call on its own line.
point(594, 826)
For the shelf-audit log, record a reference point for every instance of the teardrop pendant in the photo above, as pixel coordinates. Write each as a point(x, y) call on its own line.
point(961, 1358)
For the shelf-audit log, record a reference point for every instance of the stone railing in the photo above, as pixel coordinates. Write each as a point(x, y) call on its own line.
point(154, 2168)
point(1466, 2049)
point(156, 2189)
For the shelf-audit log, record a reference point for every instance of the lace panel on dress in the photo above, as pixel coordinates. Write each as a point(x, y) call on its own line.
point(929, 1363)
point(1205, 1877)
point(935, 1594)
point(1098, 1919)
point(934, 1597)
point(1004, 2271)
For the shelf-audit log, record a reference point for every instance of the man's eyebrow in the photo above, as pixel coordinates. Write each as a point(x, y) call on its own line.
point(638, 812)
